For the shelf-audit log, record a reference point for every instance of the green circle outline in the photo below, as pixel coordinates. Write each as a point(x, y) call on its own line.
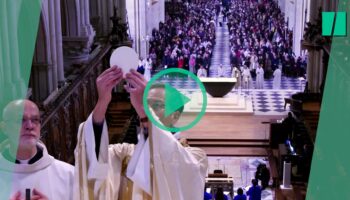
point(153, 80)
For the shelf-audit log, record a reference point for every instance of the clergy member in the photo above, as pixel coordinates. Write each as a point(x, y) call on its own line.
point(202, 72)
point(247, 78)
point(236, 74)
point(259, 77)
point(277, 78)
point(220, 71)
point(29, 165)
point(157, 168)
point(148, 69)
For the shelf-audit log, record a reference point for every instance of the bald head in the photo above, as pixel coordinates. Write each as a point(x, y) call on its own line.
point(14, 109)
point(23, 116)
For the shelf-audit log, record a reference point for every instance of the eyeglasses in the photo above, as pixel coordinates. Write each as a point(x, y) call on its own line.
point(156, 105)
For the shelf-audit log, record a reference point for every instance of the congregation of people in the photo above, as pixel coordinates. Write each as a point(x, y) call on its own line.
point(261, 45)
point(261, 48)
point(260, 42)
point(185, 40)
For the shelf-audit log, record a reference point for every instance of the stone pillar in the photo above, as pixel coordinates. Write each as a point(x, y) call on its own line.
point(42, 80)
point(52, 41)
point(315, 70)
point(79, 35)
point(11, 58)
point(298, 25)
point(106, 12)
point(4, 61)
point(59, 51)
point(314, 6)
point(122, 10)
point(143, 24)
point(133, 12)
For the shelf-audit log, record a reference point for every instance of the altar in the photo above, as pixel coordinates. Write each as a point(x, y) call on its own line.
point(221, 98)
point(215, 182)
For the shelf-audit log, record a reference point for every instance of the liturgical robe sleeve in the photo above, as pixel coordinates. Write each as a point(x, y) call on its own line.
point(178, 172)
point(98, 178)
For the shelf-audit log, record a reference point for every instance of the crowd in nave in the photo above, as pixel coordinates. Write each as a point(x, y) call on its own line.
point(258, 37)
point(261, 44)
point(186, 39)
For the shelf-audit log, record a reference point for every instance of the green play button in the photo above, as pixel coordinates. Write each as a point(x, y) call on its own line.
point(173, 100)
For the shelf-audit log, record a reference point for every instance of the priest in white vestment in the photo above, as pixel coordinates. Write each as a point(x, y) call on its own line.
point(221, 71)
point(202, 72)
point(247, 78)
point(157, 168)
point(277, 78)
point(148, 69)
point(236, 74)
point(30, 167)
point(259, 78)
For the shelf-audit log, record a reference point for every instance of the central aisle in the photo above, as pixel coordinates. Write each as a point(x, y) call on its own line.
point(221, 52)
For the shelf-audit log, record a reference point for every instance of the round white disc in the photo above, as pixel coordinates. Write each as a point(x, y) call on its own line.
point(125, 58)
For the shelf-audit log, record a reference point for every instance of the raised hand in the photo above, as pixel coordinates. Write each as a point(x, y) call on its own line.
point(38, 195)
point(136, 88)
point(16, 196)
point(105, 82)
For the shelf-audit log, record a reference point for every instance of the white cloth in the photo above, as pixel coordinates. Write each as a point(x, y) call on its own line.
point(221, 71)
point(236, 74)
point(148, 68)
point(178, 172)
point(202, 73)
point(247, 79)
point(49, 176)
point(259, 78)
point(277, 79)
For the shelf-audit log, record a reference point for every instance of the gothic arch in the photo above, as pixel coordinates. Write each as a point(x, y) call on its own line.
point(40, 75)
point(42, 50)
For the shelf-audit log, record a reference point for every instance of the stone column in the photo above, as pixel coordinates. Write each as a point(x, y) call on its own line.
point(314, 6)
point(122, 10)
point(298, 25)
point(315, 70)
point(52, 40)
point(59, 52)
point(106, 12)
point(11, 58)
point(44, 66)
point(77, 43)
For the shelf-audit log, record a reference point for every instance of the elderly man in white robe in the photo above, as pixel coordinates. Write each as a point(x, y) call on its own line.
point(277, 78)
point(32, 172)
point(259, 78)
point(157, 168)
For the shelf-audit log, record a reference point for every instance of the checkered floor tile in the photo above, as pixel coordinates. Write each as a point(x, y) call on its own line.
point(265, 101)
point(270, 102)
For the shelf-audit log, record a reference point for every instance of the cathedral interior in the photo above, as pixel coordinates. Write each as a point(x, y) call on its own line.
point(75, 40)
